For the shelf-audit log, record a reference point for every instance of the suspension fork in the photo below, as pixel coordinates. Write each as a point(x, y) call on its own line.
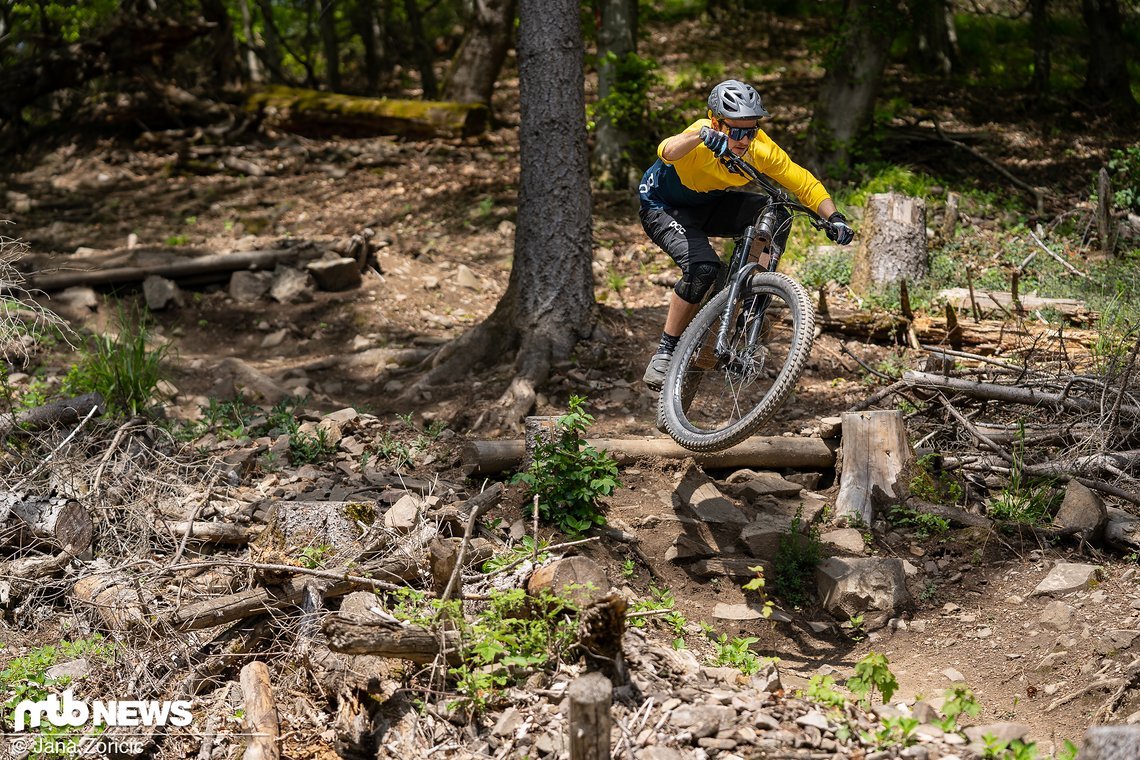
point(762, 231)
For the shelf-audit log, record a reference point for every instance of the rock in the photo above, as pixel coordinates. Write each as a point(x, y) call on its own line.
point(813, 718)
point(953, 675)
point(659, 752)
point(291, 286)
point(765, 484)
point(1119, 640)
point(1110, 743)
point(275, 338)
point(699, 494)
point(1057, 615)
point(762, 536)
point(233, 376)
point(724, 611)
point(79, 298)
point(809, 480)
point(702, 720)
point(160, 292)
point(465, 278)
point(1083, 509)
point(685, 547)
point(1005, 732)
point(1066, 577)
point(249, 287)
point(874, 587)
point(73, 670)
point(731, 567)
point(847, 539)
point(402, 516)
point(335, 274)
point(830, 427)
point(508, 723)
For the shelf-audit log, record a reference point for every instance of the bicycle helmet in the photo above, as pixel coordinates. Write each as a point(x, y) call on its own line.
point(733, 99)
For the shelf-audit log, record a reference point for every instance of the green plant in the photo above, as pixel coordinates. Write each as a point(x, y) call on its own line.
point(123, 368)
point(873, 673)
point(1025, 499)
point(959, 700)
point(895, 731)
point(525, 549)
point(821, 690)
point(628, 568)
point(757, 585)
point(816, 271)
point(924, 524)
point(569, 476)
point(855, 628)
point(735, 653)
point(660, 599)
point(176, 240)
point(1008, 749)
point(797, 556)
point(310, 449)
point(314, 556)
point(677, 623)
point(1124, 166)
point(929, 482)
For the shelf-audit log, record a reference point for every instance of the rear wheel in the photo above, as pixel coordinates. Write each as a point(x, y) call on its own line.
point(708, 408)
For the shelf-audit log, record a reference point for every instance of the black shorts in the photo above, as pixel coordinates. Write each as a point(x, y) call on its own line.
point(684, 233)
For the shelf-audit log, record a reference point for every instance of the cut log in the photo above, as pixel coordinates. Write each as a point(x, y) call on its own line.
point(590, 696)
point(222, 264)
point(874, 451)
point(209, 532)
point(950, 220)
point(1122, 531)
point(260, 719)
point(388, 639)
point(313, 113)
point(116, 599)
point(760, 452)
point(578, 579)
point(63, 523)
point(1008, 393)
point(601, 627)
point(892, 243)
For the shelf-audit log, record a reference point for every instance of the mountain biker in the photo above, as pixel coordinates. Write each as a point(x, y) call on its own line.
point(685, 199)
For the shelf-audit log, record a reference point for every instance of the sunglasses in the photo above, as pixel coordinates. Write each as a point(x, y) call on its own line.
point(741, 133)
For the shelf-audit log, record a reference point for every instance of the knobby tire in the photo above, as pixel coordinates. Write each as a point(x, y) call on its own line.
point(745, 393)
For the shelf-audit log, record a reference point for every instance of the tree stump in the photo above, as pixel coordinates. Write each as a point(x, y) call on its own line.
point(873, 454)
point(590, 698)
point(892, 243)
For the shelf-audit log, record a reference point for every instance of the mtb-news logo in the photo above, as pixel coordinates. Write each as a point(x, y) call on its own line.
point(80, 724)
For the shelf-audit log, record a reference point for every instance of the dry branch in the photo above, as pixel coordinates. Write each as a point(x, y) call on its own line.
point(1007, 393)
point(64, 412)
point(260, 718)
point(387, 639)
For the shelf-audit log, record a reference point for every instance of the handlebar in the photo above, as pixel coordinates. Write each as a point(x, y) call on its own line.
point(778, 194)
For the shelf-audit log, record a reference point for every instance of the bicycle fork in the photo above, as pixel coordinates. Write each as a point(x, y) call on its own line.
point(762, 233)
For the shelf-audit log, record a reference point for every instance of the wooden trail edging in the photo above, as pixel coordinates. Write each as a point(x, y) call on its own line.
point(489, 457)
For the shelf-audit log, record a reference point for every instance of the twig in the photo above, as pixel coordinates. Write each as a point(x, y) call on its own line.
point(38, 468)
point(879, 395)
point(194, 516)
point(484, 501)
point(1060, 260)
point(1038, 194)
point(881, 375)
point(110, 452)
point(274, 568)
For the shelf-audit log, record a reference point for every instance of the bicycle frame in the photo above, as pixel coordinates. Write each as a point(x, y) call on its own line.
point(740, 269)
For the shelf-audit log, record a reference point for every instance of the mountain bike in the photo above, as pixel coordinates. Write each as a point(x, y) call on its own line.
point(744, 351)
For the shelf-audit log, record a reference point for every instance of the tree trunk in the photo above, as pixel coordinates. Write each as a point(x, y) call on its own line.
point(1106, 80)
point(617, 39)
point(271, 54)
point(892, 243)
point(874, 451)
point(549, 303)
point(330, 43)
point(847, 96)
point(372, 40)
point(1042, 46)
point(476, 66)
point(223, 50)
point(421, 50)
point(935, 40)
point(252, 63)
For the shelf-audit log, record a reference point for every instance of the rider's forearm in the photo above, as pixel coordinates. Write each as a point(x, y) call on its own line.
point(826, 208)
point(680, 145)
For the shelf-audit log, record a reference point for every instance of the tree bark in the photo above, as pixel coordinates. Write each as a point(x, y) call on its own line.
point(386, 639)
point(223, 50)
point(874, 451)
point(549, 303)
point(372, 40)
point(617, 39)
point(892, 243)
point(421, 50)
point(935, 40)
point(476, 66)
point(590, 696)
point(1106, 79)
point(487, 457)
point(1042, 47)
point(260, 718)
point(330, 43)
point(854, 72)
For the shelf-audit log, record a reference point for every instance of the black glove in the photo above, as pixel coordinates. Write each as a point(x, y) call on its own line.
point(840, 231)
point(715, 141)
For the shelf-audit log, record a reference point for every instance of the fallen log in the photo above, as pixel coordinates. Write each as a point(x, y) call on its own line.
point(1013, 394)
point(209, 532)
point(62, 523)
point(313, 113)
point(117, 600)
point(960, 299)
point(66, 411)
point(488, 457)
point(384, 638)
point(260, 719)
point(956, 517)
point(214, 264)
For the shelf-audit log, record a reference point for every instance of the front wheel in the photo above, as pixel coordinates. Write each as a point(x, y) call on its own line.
point(708, 402)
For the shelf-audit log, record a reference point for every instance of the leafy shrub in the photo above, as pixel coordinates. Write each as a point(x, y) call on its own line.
point(796, 559)
point(873, 673)
point(123, 368)
point(816, 271)
point(1124, 168)
point(569, 476)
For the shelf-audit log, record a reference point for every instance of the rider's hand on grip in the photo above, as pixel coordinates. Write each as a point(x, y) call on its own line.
point(715, 141)
point(840, 231)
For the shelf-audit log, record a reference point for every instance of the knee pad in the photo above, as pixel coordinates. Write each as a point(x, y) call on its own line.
point(692, 287)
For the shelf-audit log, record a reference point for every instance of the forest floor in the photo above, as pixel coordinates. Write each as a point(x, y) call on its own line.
point(444, 212)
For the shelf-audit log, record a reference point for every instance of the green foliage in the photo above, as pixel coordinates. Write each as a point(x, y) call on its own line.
point(313, 557)
point(816, 271)
point(123, 368)
point(1024, 499)
point(660, 599)
point(757, 584)
point(626, 106)
point(1124, 168)
point(821, 690)
point(959, 700)
point(736, 653)
point(797, 556)
point(305, 448)
point(526, 548)
point(872, 674)
point(569, 476)
point(885, 178)
point(931, 483)
point(1008, 749)
point(895, 731)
